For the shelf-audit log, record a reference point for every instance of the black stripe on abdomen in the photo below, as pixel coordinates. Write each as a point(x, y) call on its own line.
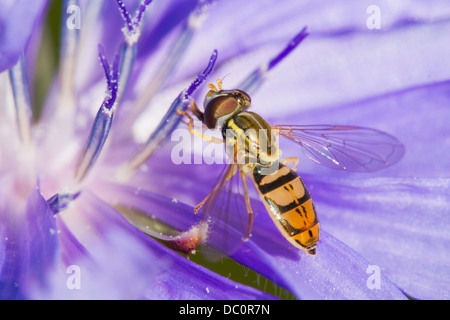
point(277, 183)
point(294, 204)
point(281, 181)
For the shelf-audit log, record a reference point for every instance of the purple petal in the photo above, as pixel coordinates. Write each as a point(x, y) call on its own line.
point(273, 257)
point(406, 114)
point(18, 19)
point(336, 272)
point(28, 248)
point(71, 248)
point(13, 248)
point(116, 261)
point(343, 33)
point(402, 225)
point(187, 280)
point(100, 246)
point(163, 18)
point(12, 267)
point(3, 239)
point(183, 279)
point(43, 240)
point(320, 73)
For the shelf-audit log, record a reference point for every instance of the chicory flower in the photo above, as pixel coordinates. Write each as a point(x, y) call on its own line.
point(68, 180)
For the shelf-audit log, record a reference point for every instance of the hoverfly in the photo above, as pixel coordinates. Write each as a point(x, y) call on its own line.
point(251, 144)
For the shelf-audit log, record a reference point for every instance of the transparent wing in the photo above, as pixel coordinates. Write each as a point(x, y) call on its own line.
point(346, 147)
point(226, 212)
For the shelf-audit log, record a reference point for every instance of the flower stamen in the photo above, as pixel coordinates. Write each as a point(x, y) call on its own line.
point(19, 84)
point(111, 78)
point(125, 15)
point(290, 46)
point(70, 38)
point(140, 12)
point(132, 33)
point(132, 29)
point(256, 78)
point(169, 122)
point(62, 200)
point(194, 22)
point(103, 120)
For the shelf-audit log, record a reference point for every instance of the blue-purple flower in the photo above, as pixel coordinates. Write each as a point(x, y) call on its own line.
point(99, 154)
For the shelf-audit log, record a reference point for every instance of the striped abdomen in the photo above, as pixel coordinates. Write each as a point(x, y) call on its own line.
point(290, 206)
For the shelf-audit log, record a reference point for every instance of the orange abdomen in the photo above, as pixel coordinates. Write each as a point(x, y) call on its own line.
point(290, 206)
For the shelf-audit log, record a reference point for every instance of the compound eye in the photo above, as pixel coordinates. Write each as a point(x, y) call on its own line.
point(217, 108)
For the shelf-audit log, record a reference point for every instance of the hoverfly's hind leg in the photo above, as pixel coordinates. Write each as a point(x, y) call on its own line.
point(200, 205)
point(195, 132)
point(228, 175)
point(293, 160)
point(249, 207)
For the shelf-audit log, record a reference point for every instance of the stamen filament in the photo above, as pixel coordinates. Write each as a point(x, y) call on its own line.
point(62, 200)
point(132, 28)
point(19, 84)
point(111, 78)
point(140, 12)
point(128, 49)
point(180, 45)
point(68, 52)
point(166, 126)
point(290, 46)
point(255, 79)
point(125, 15)
point(97, 139)
point(103, 120)
point(128, 57)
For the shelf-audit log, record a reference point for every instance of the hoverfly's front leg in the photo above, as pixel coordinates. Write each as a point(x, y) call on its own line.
point(195, 110)
point(248, 205)
point(191, 126)
point(293, 160)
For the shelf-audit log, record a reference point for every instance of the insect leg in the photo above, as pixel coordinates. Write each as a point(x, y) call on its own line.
point(197, 133)
point(294, 160)
point(248, 205)
point(231, 171)
point(195, 111)
point(198, 207)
